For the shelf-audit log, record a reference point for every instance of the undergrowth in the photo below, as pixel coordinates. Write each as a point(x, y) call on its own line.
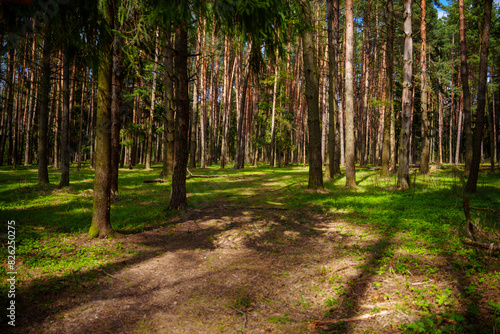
point(426, 222)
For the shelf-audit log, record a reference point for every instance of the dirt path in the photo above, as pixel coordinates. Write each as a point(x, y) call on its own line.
point(235, 268)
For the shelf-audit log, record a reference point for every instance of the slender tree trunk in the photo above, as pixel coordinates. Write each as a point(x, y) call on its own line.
point(228, 99)
point(424, 163)
point(407, 101)
point(30, 110)
point(464, 71)
point(10, 107)
point(65, 145)
point(273, 114)
point(491, 130)
point(239, 162)
point(101, 225)
point(440, 125)
point(365, 77)
point(459, 131)
point(333, 23)
point(388, 115)
point(481, 98)
point(82, 108)
point(149, 148)
point(116, 107)
point(349, 98)
point(43, 116)
point(203, 94)
point(178, 197)
point(169, 122)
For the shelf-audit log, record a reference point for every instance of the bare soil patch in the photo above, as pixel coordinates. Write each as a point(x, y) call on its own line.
point(232, 268)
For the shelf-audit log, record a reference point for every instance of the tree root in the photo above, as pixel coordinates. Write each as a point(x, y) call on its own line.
point(474, 231)
point(318, 323)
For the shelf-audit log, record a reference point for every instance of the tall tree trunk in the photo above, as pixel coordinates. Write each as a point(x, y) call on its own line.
point(464, 72)
point(228, 99)
point(30, 110)
point(333, 25)
point(312, 97)
point(349, 98)
point(365, 77)
point(273, 114)
point(440, 125)
point(407, 102)
point(101, 225)
point(239, 161)
point(178, 197)
point(149, 148)
point(203, 93)
point(388, 115)
point(82, 108)
point(169, 121)
point(424, 163)
point(459, 130)
point(43, 116)
point(491, 130)
point(65, 144)
point(11, 74)
point(481, 98)
point(116, 107)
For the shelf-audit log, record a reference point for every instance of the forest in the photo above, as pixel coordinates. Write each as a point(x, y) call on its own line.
point(259, 166)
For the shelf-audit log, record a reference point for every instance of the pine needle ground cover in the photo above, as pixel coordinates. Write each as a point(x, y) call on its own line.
point(256, 252)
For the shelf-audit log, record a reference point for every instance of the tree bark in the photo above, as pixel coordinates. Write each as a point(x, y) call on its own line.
point(349, 98)
point(43, 116)
point(273, 114)
point(178, 197)
point(116, 107)
point(333, 21)
point(388, 115)
point(424, 163)
point(407, 102)
point(228, 99)
point(333, 39)
point(65, 145)
point(481, 98)
point(239, 161)
point(169, 121)
point(149, 148)
point(464, 72)
point(365, 77)
point(312, 97)
point(101, 225)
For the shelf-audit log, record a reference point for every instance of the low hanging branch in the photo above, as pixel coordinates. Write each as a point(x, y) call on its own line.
point(475, 231)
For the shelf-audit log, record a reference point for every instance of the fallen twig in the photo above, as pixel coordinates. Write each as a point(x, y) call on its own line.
point(489, 246)
point(107, 274)
point(191, 175)
point(245, 323)
point(484, 209)
point(318, 323)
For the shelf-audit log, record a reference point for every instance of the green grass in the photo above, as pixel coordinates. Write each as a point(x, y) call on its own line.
point(427, 220)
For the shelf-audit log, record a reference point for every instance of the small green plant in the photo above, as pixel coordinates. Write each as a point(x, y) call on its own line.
point(330, 301)
point(495, 311)
point(279, 320)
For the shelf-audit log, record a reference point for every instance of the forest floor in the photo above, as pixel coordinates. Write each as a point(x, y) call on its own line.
point(256, 252)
